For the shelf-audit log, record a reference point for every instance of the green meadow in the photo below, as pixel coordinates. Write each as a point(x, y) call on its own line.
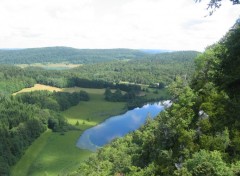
point(51, 154)
point(55, 154)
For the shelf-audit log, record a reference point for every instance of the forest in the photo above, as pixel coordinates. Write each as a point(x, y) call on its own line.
point(151, 69)
point(197, 135)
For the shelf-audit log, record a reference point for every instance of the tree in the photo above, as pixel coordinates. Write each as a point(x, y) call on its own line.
point(161, 85)
point(228, 74)
point(4, 167)
point(108, 94)
point(205, 163)
point(215, 4)
point(118, 95)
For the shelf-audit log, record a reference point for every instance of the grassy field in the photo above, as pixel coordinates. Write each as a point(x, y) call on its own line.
point(92, 112)
point(54, 154)
point(39, 87)
point(51, 154)
point(51, 66)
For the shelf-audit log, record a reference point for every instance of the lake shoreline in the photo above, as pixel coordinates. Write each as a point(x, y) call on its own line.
point(130, 120)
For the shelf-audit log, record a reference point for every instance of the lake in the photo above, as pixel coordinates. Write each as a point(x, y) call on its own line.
point(118, 126)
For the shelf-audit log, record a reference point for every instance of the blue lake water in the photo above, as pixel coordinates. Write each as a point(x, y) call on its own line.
point(117, 126)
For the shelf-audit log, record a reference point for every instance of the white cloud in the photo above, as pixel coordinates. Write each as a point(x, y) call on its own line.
point(158, 24)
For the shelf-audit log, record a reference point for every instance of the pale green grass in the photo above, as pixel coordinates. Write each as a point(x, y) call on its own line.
point(30, 155)
point(54, 154)
point(51, 154)
point(53, 66)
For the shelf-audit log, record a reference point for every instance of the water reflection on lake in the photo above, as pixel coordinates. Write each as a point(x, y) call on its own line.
point(118, 126)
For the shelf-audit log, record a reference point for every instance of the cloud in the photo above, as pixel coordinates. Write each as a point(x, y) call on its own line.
point(156, 24)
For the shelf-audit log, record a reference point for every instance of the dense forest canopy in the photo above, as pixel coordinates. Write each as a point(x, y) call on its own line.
point(150, 69)
point(197, 135)
point(13, 79)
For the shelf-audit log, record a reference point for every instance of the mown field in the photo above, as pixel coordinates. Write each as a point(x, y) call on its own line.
point(55, 154)
point(38, 87)
point(51, 66)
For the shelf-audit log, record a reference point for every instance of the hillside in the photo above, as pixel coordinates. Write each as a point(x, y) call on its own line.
point(66, 54)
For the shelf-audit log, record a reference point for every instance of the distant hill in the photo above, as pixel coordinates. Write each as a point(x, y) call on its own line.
point(179, 56)
point(66, 54)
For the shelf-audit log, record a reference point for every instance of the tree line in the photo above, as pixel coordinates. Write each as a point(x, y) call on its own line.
point(57, 101)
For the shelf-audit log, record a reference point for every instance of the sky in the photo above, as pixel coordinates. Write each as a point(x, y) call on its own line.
point(136, 24)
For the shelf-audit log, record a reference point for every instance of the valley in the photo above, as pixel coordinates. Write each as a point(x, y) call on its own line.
point(57, 154)
point(120, 88)
point(45, 111)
